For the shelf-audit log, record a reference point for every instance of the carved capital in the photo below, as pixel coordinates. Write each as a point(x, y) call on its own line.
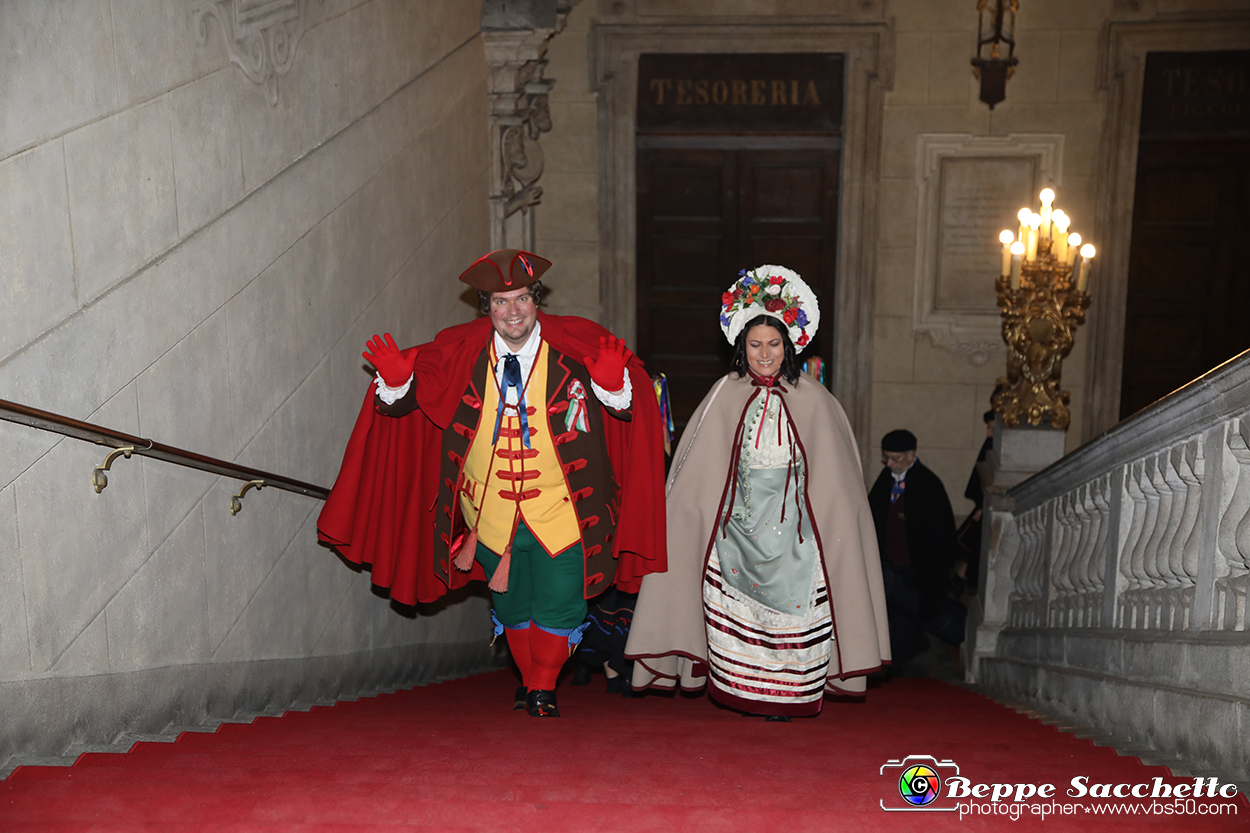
point(519, 115)
point(261, 36)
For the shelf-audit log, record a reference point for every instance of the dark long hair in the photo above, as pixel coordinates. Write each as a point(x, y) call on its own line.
point(789, 362)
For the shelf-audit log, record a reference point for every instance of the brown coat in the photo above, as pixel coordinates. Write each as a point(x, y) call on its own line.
point(668, 631)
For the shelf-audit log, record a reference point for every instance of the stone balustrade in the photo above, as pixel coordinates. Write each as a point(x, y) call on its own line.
point(1116, 582)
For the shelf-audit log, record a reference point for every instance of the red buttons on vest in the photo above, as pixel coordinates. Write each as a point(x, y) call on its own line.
point(472, 402)
point(593, 549)
point(582, 494)
point(574, 465)
point(455, 458)
point(558, 408)
point(517, 454)
point(595, 579)
point(528, 494)
point(561, 439)
point(513, 476)
point(463, 430)
point(586, 523)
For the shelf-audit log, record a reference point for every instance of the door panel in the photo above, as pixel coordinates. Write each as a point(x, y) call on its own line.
point(1187, 292)
point(706, 213)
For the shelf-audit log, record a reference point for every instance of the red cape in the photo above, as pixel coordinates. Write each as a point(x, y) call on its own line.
point(381, 509)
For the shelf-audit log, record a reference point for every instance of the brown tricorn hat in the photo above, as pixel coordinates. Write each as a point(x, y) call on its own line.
point(505, 270)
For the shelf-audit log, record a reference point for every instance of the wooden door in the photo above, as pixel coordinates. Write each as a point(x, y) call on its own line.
point(1187, 285)
point(1188, 290)
point(704, 213)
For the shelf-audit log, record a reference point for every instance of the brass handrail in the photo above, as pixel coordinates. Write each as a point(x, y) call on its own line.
point(127, 444)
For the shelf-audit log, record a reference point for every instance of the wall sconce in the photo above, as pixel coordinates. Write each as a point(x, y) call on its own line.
point(1043, 292)
point(993, 69)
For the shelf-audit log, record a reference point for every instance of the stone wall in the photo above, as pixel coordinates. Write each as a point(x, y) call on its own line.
point(189, 255)
point(937, 392)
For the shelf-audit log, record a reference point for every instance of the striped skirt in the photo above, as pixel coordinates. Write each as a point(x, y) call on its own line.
point(763, 661)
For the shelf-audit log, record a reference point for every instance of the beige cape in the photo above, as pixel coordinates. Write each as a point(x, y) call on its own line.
point(668, 635)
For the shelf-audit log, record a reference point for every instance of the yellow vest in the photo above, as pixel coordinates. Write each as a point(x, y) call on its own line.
point(507, 482)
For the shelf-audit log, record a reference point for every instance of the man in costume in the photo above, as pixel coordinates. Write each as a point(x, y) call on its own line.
point(916, 534)
point(512, 448)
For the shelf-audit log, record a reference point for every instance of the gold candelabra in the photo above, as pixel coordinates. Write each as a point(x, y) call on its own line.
point(1043, 298)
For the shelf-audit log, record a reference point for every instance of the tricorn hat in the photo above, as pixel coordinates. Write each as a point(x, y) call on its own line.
point(505, 270)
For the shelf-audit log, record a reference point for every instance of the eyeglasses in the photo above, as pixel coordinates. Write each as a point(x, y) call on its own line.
point(895, 457)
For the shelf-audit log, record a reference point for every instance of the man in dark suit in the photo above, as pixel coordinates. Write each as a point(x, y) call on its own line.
point(916, 537)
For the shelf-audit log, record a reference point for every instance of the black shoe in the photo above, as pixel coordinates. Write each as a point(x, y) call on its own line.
point(581, 676)
point(542, 704)
point(618, 685)
point(519, 700)
point(776, 718)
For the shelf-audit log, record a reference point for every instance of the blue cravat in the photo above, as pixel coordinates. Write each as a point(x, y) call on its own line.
point(512, 379)
point(897, 492)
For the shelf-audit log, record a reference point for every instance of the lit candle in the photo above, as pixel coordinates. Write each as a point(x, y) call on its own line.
point(1060, 247)
point(1087, 254)
point(1047, 197)
point(1074, 245)
point(1006, 238)
point(1017, 254)
point(1023, 216)
point(1030, 252)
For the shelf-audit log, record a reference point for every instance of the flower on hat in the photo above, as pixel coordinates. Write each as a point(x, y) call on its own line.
point(786, 297)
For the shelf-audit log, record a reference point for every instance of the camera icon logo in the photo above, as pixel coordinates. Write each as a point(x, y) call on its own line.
point(919, 782)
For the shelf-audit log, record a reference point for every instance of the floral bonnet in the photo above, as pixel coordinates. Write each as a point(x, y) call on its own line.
point(775, 291)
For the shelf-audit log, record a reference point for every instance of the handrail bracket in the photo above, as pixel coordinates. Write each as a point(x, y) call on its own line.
point(98, 477)
point(236, 502)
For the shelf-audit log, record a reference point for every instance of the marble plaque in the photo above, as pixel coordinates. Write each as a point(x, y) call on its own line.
point(970, 189)
point(979, 197)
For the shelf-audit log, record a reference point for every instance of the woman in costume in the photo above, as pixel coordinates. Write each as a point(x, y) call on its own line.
point(773, 594)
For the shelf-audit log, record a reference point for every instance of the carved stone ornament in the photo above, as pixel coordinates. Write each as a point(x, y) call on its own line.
point(261, 36)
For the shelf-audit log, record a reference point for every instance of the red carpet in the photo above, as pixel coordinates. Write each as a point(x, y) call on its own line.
point(454, 757)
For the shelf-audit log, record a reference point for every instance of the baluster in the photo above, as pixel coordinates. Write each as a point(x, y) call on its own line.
point(1231, 598)
point(1065, 536)
point(1134, 552)
point(1183, 557)
point(1097, 565)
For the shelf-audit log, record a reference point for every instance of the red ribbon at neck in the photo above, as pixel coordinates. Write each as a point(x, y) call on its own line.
point(773, 381)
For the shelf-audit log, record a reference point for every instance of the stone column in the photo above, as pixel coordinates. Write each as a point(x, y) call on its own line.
point(515, 37)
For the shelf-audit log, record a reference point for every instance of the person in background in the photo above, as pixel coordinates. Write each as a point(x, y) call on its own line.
point(968, 537)
point(916, 535)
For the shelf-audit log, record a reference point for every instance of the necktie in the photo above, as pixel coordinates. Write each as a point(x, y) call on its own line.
point(512, 379)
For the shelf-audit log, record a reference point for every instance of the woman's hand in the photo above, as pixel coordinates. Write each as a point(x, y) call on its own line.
point(394, 367)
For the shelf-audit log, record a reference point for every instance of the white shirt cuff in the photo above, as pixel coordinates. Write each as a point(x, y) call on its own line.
point(618, 401)
point(391, 395)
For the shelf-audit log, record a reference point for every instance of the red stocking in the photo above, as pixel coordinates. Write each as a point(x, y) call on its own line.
point(519, 645)
point(549, 652)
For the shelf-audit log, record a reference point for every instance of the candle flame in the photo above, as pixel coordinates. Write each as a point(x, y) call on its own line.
point(1047, 196)
point(1006, 237)
point(1087, 251)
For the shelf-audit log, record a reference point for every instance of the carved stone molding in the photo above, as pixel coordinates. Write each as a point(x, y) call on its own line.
point(261, 36)
point(519, 115)
point(958, 178)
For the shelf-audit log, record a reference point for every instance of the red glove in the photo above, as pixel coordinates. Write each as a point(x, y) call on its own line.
point(394, 367)
point(609, 371)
